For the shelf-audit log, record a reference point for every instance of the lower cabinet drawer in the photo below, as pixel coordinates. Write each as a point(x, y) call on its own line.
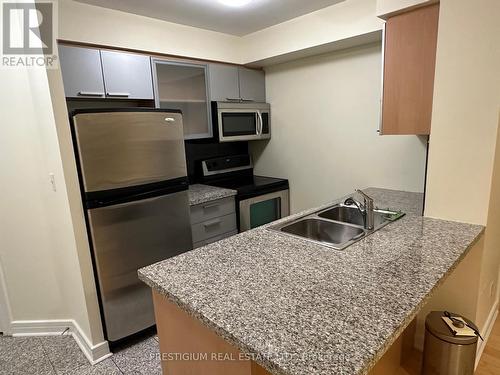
point(214, 239)
point(213, 227)
point(209, 210)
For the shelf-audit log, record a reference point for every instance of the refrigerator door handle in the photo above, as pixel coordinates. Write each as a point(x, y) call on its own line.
point(103, 199)
point(129, 198)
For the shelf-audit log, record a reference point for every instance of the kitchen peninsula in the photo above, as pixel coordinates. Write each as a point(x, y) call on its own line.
point(292, 307)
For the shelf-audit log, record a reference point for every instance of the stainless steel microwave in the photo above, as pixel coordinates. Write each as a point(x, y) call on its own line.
point(242, 121)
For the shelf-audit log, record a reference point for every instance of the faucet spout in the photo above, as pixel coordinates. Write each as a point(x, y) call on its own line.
point(368, 204)
point(366, 209)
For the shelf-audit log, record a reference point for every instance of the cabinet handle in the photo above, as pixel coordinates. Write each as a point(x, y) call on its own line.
point(90, 93)
point(212, 223)
point(239, 100)
point(118, 94)
point(207, 206)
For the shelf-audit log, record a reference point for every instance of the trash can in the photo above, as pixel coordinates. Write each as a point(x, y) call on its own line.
point(444, 353)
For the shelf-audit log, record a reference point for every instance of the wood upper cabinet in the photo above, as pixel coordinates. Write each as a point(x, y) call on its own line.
point(409, 65)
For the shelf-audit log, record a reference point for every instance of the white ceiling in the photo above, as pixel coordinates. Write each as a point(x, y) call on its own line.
point(213, 15)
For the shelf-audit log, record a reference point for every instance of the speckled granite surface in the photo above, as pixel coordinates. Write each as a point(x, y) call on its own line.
point(199, 193)
point(303, 308)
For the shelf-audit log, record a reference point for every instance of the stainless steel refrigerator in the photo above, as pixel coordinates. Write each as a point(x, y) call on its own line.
point(133, 177)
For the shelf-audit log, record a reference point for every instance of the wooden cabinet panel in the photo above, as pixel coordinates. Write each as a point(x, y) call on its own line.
point(409, 64)
point(188, 347)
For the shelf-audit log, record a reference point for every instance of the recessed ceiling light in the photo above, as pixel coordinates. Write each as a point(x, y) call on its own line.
point(235, 3)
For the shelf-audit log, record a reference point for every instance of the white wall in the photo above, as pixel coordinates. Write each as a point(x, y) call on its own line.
point(325, 113)
point(488, 288)
point(388, 7)
point(91, 24)
point(332, 27)
point(38, 252)
point(62, 128)
point(464, 129)
point(5, 314)
point(345, 20)
point(465, 111)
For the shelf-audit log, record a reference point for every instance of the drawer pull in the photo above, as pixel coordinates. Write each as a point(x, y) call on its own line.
point(207, 206)
point(118, 94)
point(212, 223)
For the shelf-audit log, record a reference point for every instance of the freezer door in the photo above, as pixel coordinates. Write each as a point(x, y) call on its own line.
point(118, 149)
point(129, 236)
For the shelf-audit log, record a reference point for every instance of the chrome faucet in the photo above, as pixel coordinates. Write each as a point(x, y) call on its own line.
point(366, 208)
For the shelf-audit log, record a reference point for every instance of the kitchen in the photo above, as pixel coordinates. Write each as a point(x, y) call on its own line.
point(333, 91)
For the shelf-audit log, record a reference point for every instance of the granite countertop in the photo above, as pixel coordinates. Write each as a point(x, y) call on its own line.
point(301, 308)
point(203, 193)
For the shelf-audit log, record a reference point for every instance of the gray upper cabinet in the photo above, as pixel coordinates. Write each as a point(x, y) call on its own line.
point(127, 75)
point(229, 82)
point(224, 84)
point(81, 71)
point(89, 72)
point(252, 85)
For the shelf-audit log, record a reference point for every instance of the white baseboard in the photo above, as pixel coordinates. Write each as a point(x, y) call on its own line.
point(490, 322)
point(94, 353)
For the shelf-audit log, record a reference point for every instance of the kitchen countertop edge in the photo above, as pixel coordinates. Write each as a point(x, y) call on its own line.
point(200, 193)
point(274, 367)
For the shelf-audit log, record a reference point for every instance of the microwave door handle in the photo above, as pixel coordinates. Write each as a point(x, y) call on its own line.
point(259, 130)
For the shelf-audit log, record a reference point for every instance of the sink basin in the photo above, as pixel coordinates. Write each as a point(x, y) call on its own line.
point(348, 214)
point(327, 232)
point(337, 226)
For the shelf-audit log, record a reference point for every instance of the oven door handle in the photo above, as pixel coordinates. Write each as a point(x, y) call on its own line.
point(259, 127)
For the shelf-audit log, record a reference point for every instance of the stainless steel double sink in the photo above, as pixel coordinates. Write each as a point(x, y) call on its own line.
point(336, 227)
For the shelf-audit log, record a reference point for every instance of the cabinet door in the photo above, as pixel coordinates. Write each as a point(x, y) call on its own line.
point(183, 86)
point(252, 85)
point(224, 83)
point(81, 71)
point(127, 75)
point(409, 62)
